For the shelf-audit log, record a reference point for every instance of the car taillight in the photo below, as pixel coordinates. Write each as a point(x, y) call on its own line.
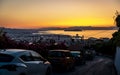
point(67, 57)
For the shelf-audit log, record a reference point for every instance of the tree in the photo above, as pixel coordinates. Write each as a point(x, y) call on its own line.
point(117, 19)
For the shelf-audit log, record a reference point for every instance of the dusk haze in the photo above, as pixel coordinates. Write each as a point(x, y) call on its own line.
point(59, 37)
point(57, 13)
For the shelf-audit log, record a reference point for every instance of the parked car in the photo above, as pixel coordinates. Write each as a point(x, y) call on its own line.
point(78, 56)
point(89, 55)
point(61, 59)
point(23, 62)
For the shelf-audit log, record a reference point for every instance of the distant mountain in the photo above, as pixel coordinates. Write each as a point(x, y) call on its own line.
point(26, 31)
point(75, 28)
point(51, 28)
point(80, 28)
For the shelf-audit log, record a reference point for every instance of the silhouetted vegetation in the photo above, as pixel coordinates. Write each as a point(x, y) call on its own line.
point(109, 48)
point(40, 47)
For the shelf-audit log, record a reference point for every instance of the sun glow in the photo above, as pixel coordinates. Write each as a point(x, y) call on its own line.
point(57, 13)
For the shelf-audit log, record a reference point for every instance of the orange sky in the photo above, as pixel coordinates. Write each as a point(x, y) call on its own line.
point(57, 13)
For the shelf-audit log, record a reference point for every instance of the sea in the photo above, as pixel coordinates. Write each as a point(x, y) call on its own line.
point(86, 33)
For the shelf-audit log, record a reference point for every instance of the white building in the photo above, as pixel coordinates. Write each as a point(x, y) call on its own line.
point(117, 60)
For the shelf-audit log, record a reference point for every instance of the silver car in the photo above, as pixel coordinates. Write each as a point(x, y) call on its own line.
point(23, 62)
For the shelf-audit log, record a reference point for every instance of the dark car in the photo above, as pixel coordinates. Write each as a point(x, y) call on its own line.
point(78, 56)
point(61, 59)
point(89, 55)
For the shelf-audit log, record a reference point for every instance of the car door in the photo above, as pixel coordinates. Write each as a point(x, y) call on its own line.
point(33, 67)
point(39, 65)
point(29, 62)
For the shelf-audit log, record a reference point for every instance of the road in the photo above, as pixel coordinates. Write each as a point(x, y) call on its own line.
point(98, 66)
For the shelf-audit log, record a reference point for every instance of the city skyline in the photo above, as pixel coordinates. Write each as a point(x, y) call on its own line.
point(57, 13)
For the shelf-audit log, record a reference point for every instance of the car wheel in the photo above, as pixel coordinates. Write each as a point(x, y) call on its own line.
point(48, 72)
point(71, 66)
point(22, 74)
point(67, 68)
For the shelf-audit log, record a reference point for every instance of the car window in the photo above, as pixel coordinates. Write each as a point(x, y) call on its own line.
point(37, 57)
point(59, 54)
point(27, 57)
point(75, 54)
point(55, 54)
point(6, 58)
point(67, 54)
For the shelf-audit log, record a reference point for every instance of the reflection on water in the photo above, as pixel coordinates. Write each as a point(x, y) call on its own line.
point(85, 33)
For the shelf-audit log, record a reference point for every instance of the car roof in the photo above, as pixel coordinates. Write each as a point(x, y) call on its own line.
point(75, 51)
point(60, 50)
point(13, 52)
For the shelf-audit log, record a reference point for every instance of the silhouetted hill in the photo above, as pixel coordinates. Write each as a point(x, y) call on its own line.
point(79, 28)
point(51, 28)
point(75, 28)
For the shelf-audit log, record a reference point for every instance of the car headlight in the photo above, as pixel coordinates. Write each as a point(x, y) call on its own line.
point(78, 56)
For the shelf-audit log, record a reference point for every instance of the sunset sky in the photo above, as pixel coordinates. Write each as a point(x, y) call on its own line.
point(57, 13)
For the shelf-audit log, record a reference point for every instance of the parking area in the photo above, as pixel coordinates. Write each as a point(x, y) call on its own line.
point(98, 66)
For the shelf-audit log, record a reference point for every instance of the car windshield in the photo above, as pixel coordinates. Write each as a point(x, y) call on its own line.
point(6, 58)
point(75, 54)
point(55, 54)
point(59, 54)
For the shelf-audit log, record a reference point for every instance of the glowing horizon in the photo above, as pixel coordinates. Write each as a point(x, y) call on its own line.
point(57, 13)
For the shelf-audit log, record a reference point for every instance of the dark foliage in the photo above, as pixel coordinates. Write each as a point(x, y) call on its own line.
point(40, 47)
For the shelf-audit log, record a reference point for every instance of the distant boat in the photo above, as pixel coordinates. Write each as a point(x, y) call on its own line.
point(72, 29)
